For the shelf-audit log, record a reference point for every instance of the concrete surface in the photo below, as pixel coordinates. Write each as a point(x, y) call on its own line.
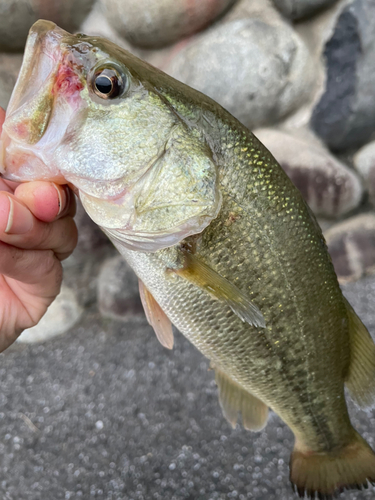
point(105, 412)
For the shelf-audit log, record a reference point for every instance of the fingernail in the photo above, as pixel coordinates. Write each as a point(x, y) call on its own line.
point(20, 219)
point(62, 198)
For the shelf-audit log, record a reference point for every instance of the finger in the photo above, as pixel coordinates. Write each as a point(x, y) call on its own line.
point(19, 228)
point(46, 200)
point(28, 266)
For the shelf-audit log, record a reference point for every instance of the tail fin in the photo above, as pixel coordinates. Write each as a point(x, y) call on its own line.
point(324, 475)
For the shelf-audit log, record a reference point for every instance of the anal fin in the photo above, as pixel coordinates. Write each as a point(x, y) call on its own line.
point(234, 399)
point(361, 377)
point(156, 317)
point(203, 276)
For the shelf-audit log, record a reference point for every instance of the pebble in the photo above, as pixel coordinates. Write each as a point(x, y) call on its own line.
point(330, 188)
point(150, 24)
point(118, 294)
point(60, 317)
point(344, 116)
point(17, 16)
point(297, 9)
point(10, 65)
point(351, 245)
point(364, 162)
point(257, 71)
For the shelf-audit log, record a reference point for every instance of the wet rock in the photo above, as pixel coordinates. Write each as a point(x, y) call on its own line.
point(9, 68)
point(344, 116)
point(17, 16)
point(297, 9)
point(330, 188)
point(364, 162)
point(150, 24)
point(61, 316)
point(352, 247)
point(118, 293)
point(258, 72)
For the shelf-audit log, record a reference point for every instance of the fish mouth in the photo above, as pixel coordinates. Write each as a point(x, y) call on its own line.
point(24, 142)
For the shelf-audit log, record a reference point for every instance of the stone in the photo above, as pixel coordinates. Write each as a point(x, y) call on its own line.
point(364, 162)
point(81, 269)
point(258, 72)
point(329, 187)
point(344, 116)
point(10, 65)
point(352, 247)
point(17, 16)
point(60, 317)
point(299, 9)
point(150, 24)
point(118, 294)
point(96, 24)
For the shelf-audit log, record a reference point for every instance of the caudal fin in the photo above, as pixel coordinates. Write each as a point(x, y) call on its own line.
point(324, 475)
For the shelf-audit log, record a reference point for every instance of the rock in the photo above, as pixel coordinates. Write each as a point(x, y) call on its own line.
point(352, 247)
point(81, 269)
point(344, 116)
point(17, 16)
point(61, 316)
point(9, 68)
point(118, 293)
point(258, 72)
point(150, 24)
point(330, 188)
point(97, 24)
point(364, 162)
point(297, 9)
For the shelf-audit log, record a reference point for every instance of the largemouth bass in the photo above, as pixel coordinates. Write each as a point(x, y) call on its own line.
point(224, 245)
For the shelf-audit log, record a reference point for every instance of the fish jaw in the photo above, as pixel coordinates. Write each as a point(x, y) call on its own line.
point(46, 95)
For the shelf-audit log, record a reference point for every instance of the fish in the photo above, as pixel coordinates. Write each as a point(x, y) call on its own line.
point(223, 244)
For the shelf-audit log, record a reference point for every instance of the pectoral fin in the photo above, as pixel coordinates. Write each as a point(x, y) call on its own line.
point(234, 399)
point(156, 317)
point(204, 277)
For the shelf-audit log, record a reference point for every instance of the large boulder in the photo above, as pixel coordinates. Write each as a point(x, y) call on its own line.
point(10, 65)
point(152, 24)
point(364, 162)
point(351, 245)
point(344, 116)
point(330, 188)
point(299, 9)
point(17, 16)
point(257, 71)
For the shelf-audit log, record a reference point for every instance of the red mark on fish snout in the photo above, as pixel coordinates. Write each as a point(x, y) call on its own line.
point(67, 82)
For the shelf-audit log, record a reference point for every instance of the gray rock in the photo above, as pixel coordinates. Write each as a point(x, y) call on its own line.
point(352, 247)
point(330, 188)
point(258, 72)
point(17, 16)
point(344, 117)
point(9, 68)
point(364, 162)
point(61, 316)
point(150, 24)
point(118, 294)
point(298, 9)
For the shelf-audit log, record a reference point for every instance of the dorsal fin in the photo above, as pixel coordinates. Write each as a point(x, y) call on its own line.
point(156, 317)
point(361, 376)
point(234, 399)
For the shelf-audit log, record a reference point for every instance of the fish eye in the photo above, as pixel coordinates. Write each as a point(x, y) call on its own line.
point(108, 83)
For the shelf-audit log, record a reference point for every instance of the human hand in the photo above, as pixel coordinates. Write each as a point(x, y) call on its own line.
point(37, 232)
